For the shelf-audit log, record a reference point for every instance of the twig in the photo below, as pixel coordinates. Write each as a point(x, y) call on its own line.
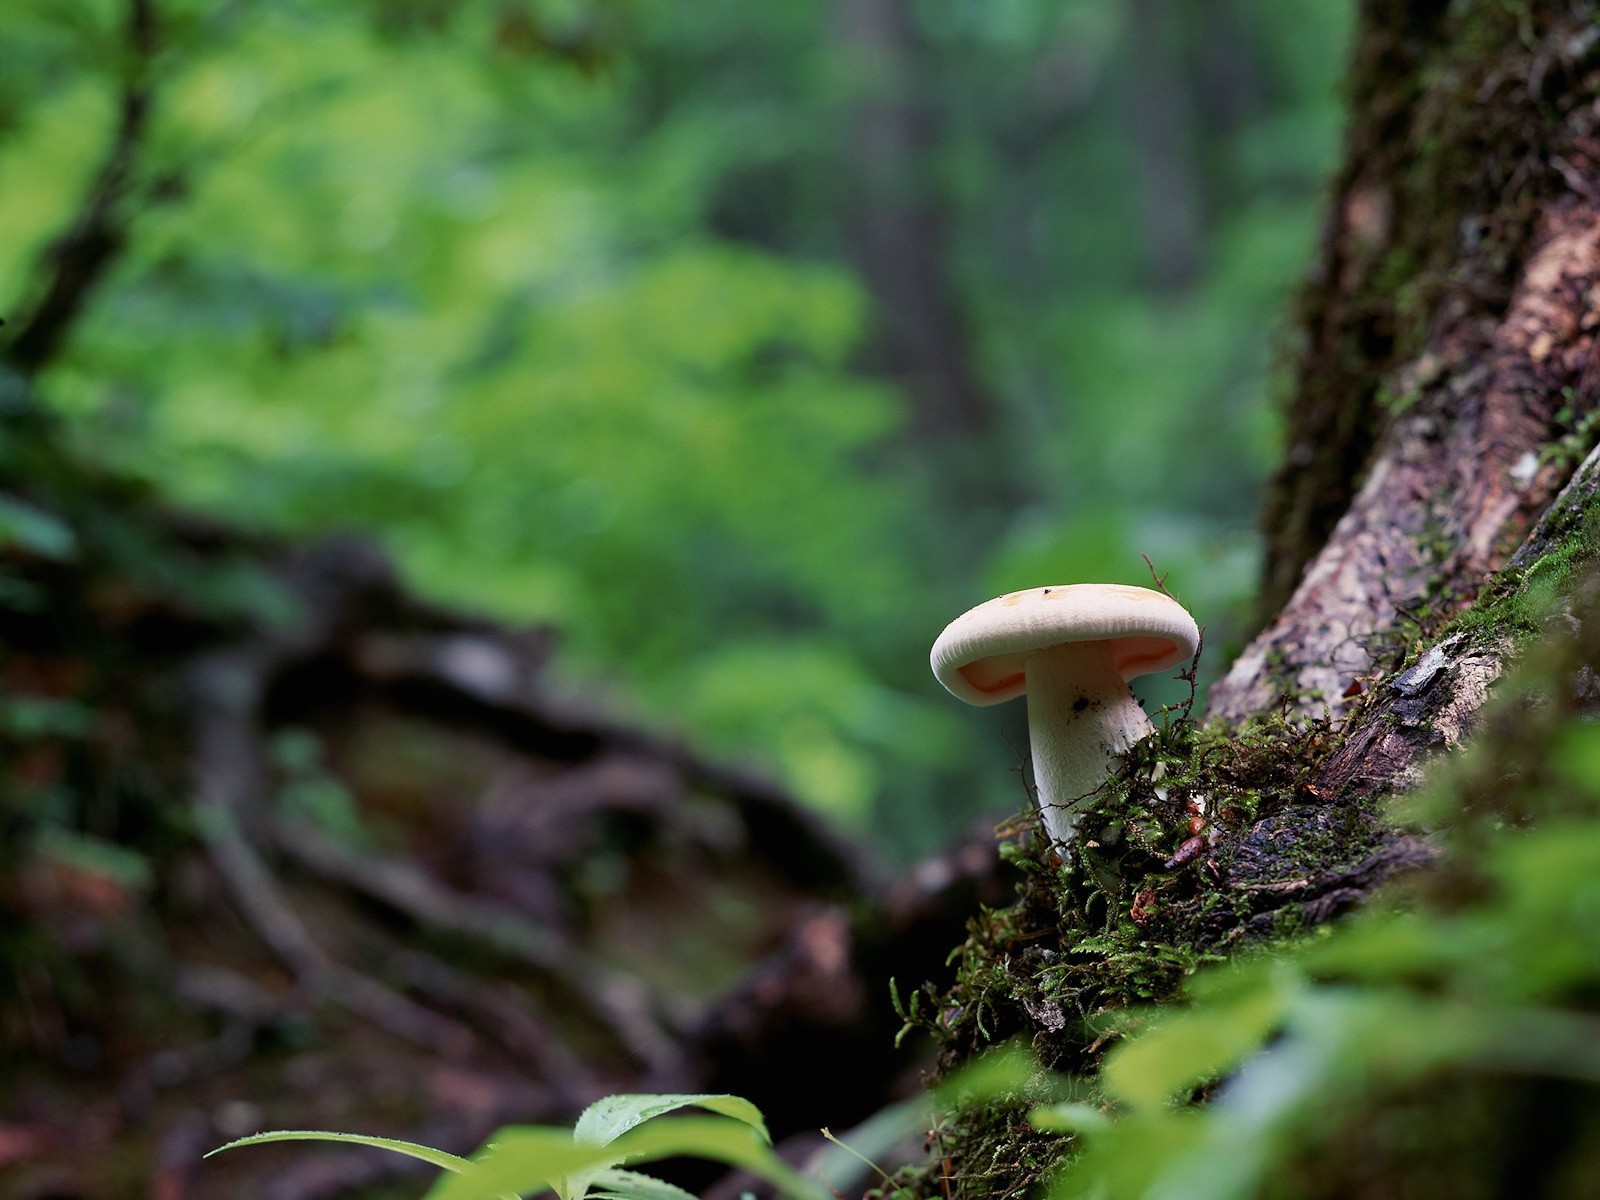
point(856, 1154)
point(1160, 580)
point(80, 258)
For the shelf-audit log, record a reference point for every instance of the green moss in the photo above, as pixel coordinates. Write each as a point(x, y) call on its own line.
point(978, 1155)
point(1120, 923)
point(1519, 602)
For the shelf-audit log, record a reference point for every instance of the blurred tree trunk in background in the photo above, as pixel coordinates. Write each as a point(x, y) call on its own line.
point(896, 229)
point(897, 233)
point(1162, 114)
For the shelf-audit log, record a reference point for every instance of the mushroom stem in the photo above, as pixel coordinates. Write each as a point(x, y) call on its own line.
point(1081, 718)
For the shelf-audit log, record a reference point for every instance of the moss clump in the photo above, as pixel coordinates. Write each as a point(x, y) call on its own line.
point(978, 1155)
point(1146, 898)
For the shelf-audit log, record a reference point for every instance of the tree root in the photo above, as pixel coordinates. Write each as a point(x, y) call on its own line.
point(227, 780)
point(405, 888)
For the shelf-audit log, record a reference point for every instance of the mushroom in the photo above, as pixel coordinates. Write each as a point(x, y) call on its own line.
point(1072, 649)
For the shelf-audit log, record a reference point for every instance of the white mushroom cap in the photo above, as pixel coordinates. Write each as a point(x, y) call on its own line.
point(981, 656)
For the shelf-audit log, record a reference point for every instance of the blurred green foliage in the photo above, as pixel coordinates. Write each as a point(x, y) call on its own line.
point(559, 298)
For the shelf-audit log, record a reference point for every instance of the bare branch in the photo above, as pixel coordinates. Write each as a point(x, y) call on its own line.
point(78, 261)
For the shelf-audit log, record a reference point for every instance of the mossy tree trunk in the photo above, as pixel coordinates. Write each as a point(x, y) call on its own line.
point(1451, 283)
point(1443, 397)
point(1445, 383)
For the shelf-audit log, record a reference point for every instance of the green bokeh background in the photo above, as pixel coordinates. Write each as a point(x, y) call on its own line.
point(561, 302)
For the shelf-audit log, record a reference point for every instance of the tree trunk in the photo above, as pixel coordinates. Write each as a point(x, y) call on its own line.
point(1161, 122)
point(897, 228)
point(1445, 395)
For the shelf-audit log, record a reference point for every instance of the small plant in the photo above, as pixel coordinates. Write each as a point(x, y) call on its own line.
point(587, 1161)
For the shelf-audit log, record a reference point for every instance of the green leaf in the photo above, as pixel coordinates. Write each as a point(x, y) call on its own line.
point(1388, 946)
point(427, 1154)
point(35, 530)
point(1183, 1049)
point(437, 1158)
point(999, 1073)
point(617, 1184)
point(1128, 1158)
point(1070, 1117)
point(612, 1116)
point(524, 1159)
point(608, 1119)
point(720, 1139)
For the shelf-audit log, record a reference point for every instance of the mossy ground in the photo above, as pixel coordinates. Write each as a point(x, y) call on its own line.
point(1120, 921)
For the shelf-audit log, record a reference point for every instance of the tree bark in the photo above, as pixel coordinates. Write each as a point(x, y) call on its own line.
point(1446, 384)
point(1455, 483)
